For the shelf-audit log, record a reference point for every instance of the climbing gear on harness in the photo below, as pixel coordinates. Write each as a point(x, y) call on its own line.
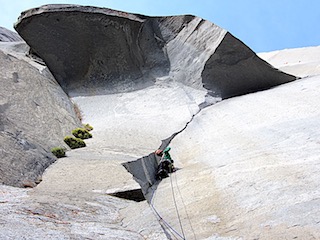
point(165, 165)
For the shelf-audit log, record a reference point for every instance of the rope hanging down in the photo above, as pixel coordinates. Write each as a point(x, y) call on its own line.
point(166, 224)
point(175, 205)
point(184, 206)
point(162, 221)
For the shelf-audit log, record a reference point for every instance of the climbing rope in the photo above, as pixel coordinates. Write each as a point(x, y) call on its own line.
point(163, 222)
point(167, 225)
point(175, 205)
point(184, 206)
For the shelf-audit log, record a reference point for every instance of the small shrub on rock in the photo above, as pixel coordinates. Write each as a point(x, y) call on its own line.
point(59, 152)
point(81, 133)
point(73, 142)
point(88, 127)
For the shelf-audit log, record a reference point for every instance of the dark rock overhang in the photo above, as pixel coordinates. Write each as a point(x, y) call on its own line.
point(94, 51)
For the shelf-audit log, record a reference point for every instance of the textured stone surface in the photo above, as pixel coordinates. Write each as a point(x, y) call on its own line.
point(106, 51)
point(247, 166)
point(144, 172)
point(72, 201)
point(35, 115)
point(300, 62)
point(234, 69)
point(8, 36)
point(53, 217)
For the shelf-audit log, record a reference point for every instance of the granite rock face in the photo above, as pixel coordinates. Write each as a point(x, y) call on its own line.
point(35, 115)
point(9, 36)
point(94, 51)
point(247, 166)
point(250, 167)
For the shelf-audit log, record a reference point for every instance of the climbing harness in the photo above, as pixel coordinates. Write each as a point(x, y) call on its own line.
point(165, 167)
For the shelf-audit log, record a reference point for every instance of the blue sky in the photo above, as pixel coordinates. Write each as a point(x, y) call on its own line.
point(264, 25)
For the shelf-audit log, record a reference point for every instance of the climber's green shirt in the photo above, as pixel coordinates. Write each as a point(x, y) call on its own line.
point(167, 154)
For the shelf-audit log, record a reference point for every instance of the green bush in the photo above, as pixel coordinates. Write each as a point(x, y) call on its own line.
point(59, 152)
point(81, 133)
point(73, 142)
point(88, 127)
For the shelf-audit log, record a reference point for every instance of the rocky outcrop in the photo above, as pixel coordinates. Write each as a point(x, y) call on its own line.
point(144, 172)
point(234, 69)
point(35, 115)
point(250, 167)
point(9, 36)
point(94, 51)
point(247, 166)
point(301, 62)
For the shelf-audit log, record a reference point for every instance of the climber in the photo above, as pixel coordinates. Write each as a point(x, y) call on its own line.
point(166, 163)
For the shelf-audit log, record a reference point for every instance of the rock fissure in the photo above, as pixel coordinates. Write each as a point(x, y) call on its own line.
point(144, 169)
point(140, 79)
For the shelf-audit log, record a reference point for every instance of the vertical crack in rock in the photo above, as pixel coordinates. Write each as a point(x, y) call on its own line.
point(93, 51)
point(144, 169)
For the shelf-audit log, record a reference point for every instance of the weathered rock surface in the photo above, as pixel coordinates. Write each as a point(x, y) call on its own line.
point(9, 36)
point(72, 201)
point(94, 51)
point(52, 217)
point(247, 166)
point(35, 115)
point(238, 158)
point(300, 62)
point(250, 168)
